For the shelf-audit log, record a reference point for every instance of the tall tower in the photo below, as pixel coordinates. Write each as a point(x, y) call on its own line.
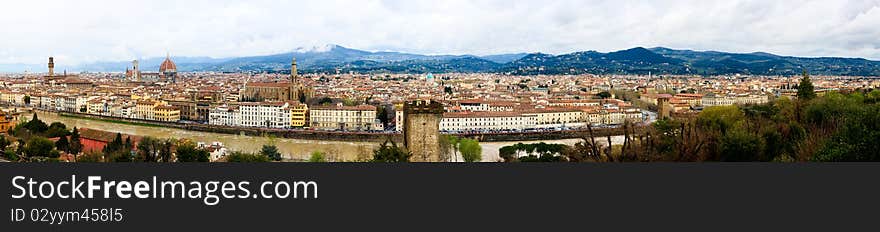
point(136, 73)
point(51, 66)
point(294, 77)
point(421, 130)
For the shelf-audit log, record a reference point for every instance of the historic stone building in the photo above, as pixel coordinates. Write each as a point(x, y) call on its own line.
point(51, 66)
point(168, 70)
point(421, 131)
point(294, 90)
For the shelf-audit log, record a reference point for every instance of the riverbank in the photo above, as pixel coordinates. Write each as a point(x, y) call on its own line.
point(343, 136)
point(291, 149)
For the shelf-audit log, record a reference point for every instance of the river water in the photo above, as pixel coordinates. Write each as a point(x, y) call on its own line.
point(290, 148)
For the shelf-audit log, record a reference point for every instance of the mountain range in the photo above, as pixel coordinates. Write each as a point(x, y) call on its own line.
point(659, 60)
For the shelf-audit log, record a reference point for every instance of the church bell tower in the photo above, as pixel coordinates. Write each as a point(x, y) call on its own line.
point(51, 66)
point(294, 77)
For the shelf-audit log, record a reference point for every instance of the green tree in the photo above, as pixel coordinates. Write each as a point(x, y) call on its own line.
point(75, 143)
point(57, 129)
point(721, 118)
point(62, 144)
point(148, 149)
point(188, 152)
point(36, 125)
point(164, 150)
point(449, 143)
point(390, 153)
point(27, 100)
point(856, 141)
point(740, 147)
point(4, 143)
point(271, 151)
point(470, 150)
point(38, 146)
point(317, 157)
point(114, 146)
point(805, 88)
point(604, 95)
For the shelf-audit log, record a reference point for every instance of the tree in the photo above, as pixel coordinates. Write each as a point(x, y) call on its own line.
point(383, 115)
point(449, 143)
point(325, 101)
point(36, 125)
point(271, 151)
point(148, 149)
point(390, 153)
point(27, 100)
point(114, 146)
point(805, 88)
point(740, 147)
point(721, 118)
point(75, 143)
point(317, 157)
point(117, 151)
point(38, 146)
point(62, 144)
point(165, 154)
point(856, 140)
point(604, 95)
point(57, 129)
point(4, 143)
point(187, 152)
point(470, 150)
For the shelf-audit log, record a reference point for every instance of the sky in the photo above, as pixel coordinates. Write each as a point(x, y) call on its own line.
point(85, 31)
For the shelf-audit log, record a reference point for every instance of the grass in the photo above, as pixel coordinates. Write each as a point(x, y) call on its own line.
point(110, 120)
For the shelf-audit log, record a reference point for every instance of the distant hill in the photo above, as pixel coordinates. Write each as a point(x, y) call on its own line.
point(659, 60)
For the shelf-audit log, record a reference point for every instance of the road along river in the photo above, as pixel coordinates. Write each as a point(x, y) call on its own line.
point(297, 149)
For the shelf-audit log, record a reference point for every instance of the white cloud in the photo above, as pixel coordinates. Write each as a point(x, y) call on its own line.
point(87, 31)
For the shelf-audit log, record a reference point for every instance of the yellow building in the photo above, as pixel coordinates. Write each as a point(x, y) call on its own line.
point(165, 113)
point(144, 109)
point(345, 118)
point(299, 115)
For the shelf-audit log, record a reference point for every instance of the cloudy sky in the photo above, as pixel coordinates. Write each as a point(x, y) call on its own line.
point(84, 31)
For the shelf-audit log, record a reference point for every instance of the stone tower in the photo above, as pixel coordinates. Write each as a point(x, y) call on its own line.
point(664, 109)
point(421, 130)
point(135, 73)
point(294, 77)
point(51, 66)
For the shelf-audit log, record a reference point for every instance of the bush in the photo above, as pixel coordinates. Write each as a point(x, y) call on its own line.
point(317, 157)
point(239, 157)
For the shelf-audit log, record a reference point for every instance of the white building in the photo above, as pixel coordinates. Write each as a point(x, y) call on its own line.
point(264, 114)
point(224, 116)
point(487, 121)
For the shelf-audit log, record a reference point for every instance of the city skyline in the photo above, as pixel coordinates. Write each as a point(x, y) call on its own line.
point(82, 33)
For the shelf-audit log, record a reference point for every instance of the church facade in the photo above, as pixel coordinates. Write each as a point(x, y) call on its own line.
point(294, 90)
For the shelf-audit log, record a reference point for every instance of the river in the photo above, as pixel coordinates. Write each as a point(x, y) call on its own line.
point(290, 148)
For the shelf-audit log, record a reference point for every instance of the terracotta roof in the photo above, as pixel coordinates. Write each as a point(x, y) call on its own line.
point(267, 84)
point(105, 136)
point(335, 107)
point(168, 65)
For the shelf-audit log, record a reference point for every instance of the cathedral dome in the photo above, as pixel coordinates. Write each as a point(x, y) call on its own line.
point(167, 65)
